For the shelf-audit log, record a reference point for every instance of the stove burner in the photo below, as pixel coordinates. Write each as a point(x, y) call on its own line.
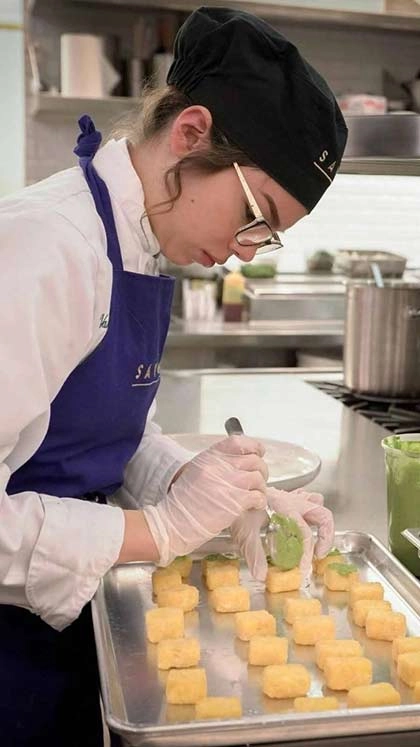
point(395, 414)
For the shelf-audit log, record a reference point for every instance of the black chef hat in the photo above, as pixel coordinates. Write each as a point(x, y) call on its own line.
point(263, 96)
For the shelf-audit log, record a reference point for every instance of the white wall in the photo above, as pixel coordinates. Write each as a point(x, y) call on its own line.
point(12, 118)
point(356, 212)
point(360, 212)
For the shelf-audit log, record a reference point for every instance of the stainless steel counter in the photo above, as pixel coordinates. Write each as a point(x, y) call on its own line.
point(289, 334)
point(284, 406)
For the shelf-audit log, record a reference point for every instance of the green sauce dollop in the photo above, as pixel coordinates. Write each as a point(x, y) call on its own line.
point(343, 569)
point(288, 543)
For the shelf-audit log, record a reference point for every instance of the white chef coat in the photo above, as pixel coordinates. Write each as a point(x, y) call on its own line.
point(55, 285)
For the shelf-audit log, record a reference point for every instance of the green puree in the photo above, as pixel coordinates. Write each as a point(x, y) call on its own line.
point(288, 544)
point(334, 551)
point(222, 558)
point(343, 569)
point(402, 460)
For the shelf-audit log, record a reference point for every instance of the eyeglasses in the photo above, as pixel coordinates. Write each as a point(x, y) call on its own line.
point(258, 232)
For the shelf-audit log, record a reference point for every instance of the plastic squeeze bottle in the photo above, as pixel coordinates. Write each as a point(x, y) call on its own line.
point(232, 297)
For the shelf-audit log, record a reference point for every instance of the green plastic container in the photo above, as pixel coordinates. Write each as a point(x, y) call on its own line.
point(402, 463)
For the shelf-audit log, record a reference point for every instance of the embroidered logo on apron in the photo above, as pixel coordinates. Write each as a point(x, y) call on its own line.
point(147, 374)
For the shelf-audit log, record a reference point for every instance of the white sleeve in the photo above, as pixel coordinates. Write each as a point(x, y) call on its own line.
point(53, 551)
point(151, 469)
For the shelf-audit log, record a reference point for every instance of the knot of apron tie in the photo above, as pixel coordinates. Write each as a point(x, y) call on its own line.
point(89, 139)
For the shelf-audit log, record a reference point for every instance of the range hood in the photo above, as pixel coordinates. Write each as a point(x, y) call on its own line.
point(388, 143)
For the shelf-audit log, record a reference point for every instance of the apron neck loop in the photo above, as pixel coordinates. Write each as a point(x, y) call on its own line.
point(89, 139)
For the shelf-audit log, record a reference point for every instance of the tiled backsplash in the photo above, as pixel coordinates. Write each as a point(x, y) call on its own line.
point(358, 211)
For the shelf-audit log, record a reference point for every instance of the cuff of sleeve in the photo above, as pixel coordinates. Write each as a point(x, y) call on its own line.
point(159, 533)
point(171, 458)
point(78, 543)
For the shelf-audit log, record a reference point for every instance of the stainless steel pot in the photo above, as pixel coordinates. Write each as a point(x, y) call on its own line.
point(382, 339)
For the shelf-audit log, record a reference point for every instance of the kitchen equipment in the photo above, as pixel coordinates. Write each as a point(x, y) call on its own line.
point(403, 495)
point(85, 69)
point(413, 88)
point(233, 427)
point(377, 275)
point(199, 299)
point(382, 338)
point(413, 535)
point(357, 263)
point(395, 414)
point(289, 466)
point(133, 688)
point(280, 299)
point(394, 135)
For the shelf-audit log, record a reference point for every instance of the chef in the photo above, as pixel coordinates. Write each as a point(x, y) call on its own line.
point(240, 145)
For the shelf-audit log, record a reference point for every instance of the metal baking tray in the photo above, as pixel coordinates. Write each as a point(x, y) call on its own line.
point(356, 263)
point(133, 689)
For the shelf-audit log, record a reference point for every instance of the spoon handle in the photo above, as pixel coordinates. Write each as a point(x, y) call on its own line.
point(233, 427)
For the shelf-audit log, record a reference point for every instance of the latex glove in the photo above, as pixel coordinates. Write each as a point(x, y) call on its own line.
point(307, 509)
point(209, 494)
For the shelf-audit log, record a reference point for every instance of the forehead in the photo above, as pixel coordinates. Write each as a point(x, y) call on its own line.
point(271, 197)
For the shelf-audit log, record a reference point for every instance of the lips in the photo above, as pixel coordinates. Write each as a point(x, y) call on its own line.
point(206, 259)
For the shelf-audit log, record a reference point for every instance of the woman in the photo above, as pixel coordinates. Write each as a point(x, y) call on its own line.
point(242, 143)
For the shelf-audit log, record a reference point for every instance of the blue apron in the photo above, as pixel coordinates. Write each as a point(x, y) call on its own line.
point(49, 680)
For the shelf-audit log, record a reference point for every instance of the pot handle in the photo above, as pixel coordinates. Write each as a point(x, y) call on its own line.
point(413, 313)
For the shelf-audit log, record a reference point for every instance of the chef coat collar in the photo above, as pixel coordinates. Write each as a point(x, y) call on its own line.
point(114, 166)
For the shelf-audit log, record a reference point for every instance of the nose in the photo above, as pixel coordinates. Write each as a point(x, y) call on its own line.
point(245, 253)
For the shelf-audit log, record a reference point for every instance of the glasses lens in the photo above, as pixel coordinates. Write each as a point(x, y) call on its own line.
point(257, 234)
point(268, 248)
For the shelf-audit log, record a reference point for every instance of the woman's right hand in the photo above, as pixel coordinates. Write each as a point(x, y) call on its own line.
point(212, 490)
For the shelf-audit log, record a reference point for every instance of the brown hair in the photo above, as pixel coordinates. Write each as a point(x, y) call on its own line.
point(158, 107)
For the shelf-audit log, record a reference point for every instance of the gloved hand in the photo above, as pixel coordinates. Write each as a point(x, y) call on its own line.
point(305, 508)
point(208, 495)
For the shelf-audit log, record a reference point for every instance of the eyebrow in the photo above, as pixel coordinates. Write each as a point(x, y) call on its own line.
point(274, 216)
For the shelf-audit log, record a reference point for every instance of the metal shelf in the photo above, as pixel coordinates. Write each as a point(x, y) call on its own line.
point(47, 105)
point(381, 166)
point(289, 13)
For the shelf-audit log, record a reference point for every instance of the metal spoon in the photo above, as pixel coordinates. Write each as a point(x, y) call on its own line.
point(233, 427)
point(377, 275)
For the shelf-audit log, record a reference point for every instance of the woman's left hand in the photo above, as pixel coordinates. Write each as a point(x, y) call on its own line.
point(307, 509)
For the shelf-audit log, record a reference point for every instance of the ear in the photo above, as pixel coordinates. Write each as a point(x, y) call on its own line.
point(190, 131)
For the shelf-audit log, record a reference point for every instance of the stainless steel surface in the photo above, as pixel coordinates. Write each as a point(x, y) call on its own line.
point(413, 536)
point(358, 263)
point(133, 688)
point(377, 275)
point(294, 301)
point(284, 334)
point(384, 135)
point(382, 339)
point(381, 166)
point(294, 14)
point(283, 406)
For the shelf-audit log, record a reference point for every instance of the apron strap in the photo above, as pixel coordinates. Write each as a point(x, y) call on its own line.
point(88, 143)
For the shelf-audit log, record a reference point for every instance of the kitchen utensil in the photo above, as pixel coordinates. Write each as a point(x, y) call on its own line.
point(290, 466)
point(133, 689)
point(412, 534)
point(403, 495)
point(357, 263)
point(377, 274)
point(234, 428)
point(382, 338)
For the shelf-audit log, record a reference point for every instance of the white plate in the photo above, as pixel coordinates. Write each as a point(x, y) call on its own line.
point(290, 466)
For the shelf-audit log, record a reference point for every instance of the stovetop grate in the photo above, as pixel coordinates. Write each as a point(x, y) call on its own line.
point(395, 414)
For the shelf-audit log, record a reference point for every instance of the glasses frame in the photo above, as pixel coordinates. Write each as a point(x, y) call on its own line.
point(264, 247)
